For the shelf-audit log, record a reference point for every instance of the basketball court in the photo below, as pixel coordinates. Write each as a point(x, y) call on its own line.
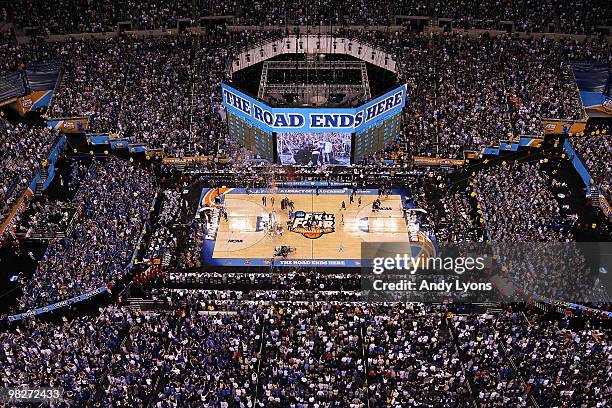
point(314, 230)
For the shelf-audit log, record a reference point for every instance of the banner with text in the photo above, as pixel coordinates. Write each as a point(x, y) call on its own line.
point(36, 101)
point(73, 125)
point(348, 120)
point(563, 127)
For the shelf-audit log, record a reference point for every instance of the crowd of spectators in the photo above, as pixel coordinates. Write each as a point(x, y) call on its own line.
point(300, 338)
point(595, 151)
point(479, 91)
point(14, 56)
point(207, 126)
point(93, 81)
point(216, 8)
point(48, 217)
point(73, 354)
point(165, 91)
point(293, 353)
point(23, 151)
point(314, 13)
point(163, 240)
point(411, 360)
point(518, 204)
point(125, 85)
point(98, 249)
point(497, 383)
point(145, 90)
point(584, 17)
point(214, 360)
point(455, 219)
point(66, 16)
point(555, 270)
point(287, 280)
point(527, 15)
point(514, 357)
point(156, 99)
point(72, 16)
point(130, 375)
point(6, 49)
point(561, 367)
point(312, 355)
point(216, 289)
point(220, 298)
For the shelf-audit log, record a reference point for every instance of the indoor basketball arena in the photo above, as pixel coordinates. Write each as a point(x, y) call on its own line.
point(332, 204)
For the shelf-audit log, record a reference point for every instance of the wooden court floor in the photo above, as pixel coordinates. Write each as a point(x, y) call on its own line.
point(245, 234)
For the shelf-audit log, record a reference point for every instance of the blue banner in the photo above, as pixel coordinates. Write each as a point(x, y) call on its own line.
point(306, 190)
point(105, 139)
point(347, 120)
point(54, 306)
point(579, 166)
point(509, 146)
point(594, 83)
point(491, 150)
point(313, 184)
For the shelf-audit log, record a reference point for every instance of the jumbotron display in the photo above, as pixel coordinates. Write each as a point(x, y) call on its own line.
point(314, 85)
point(248, 116)
point(314, 148)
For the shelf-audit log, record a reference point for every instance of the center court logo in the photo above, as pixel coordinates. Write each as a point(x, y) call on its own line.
point(312, 225)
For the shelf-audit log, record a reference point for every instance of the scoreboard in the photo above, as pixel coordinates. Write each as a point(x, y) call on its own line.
point(377, 137)
point(251, 137)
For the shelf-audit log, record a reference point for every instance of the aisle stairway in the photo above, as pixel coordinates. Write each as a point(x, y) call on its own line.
point(40, 183)
point(595, 196)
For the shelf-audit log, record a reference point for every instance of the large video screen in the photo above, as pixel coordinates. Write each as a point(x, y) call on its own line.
point(314, 148)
